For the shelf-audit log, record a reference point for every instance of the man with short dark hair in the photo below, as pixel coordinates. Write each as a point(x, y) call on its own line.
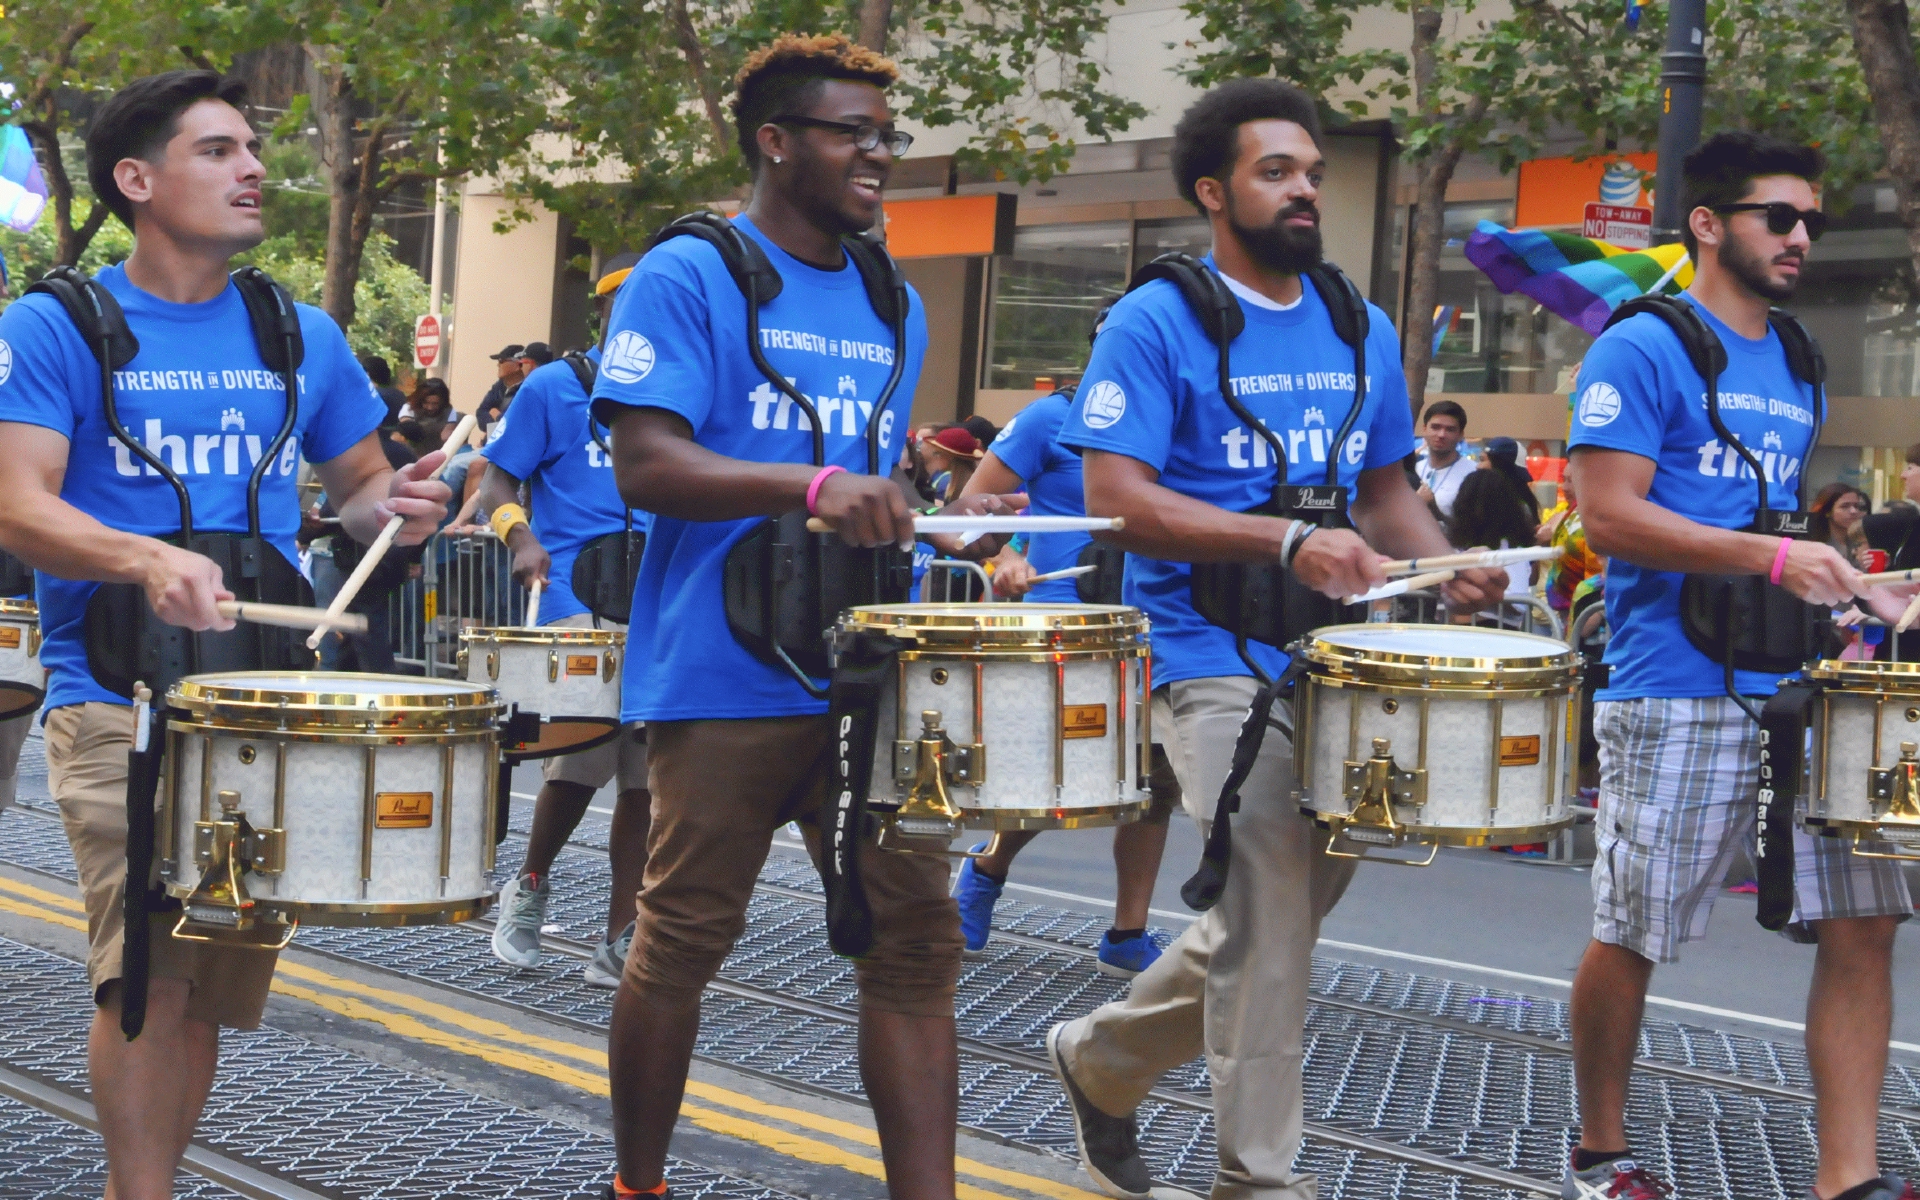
point(509, 371)
point(1663, 493)
point(1163, 448)
point(1444, 468)
point(175, 159)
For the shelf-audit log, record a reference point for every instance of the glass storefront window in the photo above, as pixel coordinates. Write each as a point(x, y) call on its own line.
point(1045, 297)
point(1187, 235)
point(1495, 343)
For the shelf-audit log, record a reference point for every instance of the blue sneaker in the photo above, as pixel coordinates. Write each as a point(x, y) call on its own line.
point(1127, 958)
point(976, 894)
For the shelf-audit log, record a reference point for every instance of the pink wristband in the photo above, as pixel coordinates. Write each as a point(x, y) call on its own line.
point(1780, 560)
point(813, 491)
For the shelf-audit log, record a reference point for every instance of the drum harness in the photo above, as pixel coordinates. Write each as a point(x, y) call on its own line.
point(605, 569)
point(785, 587)
point(1746, 622)
point(125, 641)
point(1263, 601)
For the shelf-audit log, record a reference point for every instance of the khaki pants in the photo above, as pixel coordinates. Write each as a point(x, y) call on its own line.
point(87, 748)
point(13, 735)
point(1234, 985)
point(720, 791)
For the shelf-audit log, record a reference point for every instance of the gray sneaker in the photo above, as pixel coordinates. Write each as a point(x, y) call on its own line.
point(523, 910)
point(610, 960)
point(1109, 1148)
point(1616, 1179)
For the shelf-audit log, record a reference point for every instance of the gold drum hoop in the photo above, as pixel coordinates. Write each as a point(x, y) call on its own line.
point(337, 706)
point(24, 610)
point(1876, 678)
point(545, 635)
point(1383, 656)
point(1006, 632)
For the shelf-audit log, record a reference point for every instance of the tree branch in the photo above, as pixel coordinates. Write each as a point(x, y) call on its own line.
point(688, 39)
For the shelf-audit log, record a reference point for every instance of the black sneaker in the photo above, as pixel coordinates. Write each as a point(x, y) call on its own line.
point(1109, 1146)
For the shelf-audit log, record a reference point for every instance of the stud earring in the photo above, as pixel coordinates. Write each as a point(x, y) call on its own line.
point(776, 158)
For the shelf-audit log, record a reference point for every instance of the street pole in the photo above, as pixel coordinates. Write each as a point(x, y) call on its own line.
point(1683, 77)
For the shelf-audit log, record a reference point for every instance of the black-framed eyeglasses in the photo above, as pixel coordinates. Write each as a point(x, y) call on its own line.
point(866, 135)
point(1782, 217)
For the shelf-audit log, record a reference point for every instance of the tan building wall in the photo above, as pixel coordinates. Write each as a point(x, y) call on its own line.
point(502, 291)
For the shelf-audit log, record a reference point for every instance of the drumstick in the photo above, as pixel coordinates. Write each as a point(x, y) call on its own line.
point(378, 549)
point(1470, 560)
point(984, 523)
point(288, 616)
point(533, 603)
point(1064, 573)
point(1890, 577)
point(1401, 586)
point(1908, 617)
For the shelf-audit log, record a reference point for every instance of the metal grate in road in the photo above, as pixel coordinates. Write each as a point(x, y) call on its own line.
point(45, 1158)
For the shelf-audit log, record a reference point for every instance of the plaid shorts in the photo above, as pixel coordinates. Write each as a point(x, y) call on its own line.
point(1679, 782)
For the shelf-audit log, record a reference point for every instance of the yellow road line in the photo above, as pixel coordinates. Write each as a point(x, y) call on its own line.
point(507, 1051)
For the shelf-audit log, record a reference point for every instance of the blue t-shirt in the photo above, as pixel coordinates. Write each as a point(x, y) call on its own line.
point(677, 341)
point(1030, 448)
point(1152, 393)
point(1639, 393)
point(199, 396)
point(544, 439)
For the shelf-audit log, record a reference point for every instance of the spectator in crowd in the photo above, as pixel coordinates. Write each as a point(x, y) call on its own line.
point(914, 463)
point(1488, 512)
point(381, 376)
point(1840, 510)
point(1503, 459)
point(1897, 531)
point(1443, 426)
point(983, 430)
point(423, 422)
point(510, 373)
point(536, 354)
point(951, 456)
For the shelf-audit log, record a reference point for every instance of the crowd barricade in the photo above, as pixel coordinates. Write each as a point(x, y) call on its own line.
point(465, 581)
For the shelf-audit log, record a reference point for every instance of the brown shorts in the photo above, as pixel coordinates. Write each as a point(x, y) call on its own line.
point(87, 748)
point(720, 791)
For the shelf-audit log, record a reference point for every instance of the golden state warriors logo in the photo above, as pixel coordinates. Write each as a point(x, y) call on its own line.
point(6, 362)
point(1104, 406)
point(628, 357)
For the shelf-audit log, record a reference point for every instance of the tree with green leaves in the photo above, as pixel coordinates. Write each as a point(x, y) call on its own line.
point(639, 127)
point(1890, 62)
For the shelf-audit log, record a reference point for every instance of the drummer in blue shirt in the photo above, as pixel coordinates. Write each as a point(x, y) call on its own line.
point(547, 443)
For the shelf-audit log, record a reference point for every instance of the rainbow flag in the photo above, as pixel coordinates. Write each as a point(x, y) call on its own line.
point(1633, 12)
point(1571, 276)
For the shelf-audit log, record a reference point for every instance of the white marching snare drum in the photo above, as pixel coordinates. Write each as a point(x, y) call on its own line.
point(327, 799)
point(1008, 716)
point(1864, 772)
point(569, 676)
point(1436, 734)
point(23, 681)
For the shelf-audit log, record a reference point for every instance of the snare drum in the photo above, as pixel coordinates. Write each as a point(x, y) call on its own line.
point(569, 677)
point(1008, 716)
point(23, 681)
point(1436, 734)
point(1863, 776)
point(329, 799)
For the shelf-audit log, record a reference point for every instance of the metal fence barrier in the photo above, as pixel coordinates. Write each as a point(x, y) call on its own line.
point(465, 580)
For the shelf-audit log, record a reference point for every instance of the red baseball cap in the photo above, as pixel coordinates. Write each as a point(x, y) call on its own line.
point(956, 441)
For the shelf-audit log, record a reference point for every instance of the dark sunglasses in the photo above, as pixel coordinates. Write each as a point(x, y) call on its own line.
point(1782, 217)
point(866, 135)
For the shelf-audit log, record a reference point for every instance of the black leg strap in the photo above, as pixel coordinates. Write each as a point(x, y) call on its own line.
point(865, 662)
point(1783, 734)
point(143, 785)
point(1203, 891)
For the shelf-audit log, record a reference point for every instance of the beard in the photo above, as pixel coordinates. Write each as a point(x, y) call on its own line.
point(1741, 262)
point(1278, 246)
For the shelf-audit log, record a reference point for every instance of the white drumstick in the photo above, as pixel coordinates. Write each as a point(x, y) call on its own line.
point(1908, 617)
point(378, 549)
point(985, 523)
point(1065, 573)
point(1471, 560)
point(1401, 586)
point(1890, 577)
point(533, 603)
point(288, 616)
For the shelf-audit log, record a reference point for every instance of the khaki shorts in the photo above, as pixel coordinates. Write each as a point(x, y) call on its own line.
point(623, 756)
point(87, 748)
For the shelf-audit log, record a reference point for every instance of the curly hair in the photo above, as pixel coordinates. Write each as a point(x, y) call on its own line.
point(787, 75)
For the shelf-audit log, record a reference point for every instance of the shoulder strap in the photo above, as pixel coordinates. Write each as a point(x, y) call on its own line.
point(93, 311)
point(1703, 349)
point(583, 370)
point(276, 323)
point(753, 272)
point(1217, 309)
point(1803, 353)
point(1345, 305)
point(886, 285)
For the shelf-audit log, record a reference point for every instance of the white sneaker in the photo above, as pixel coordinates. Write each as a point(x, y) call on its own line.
point(610, 960)
point(523, 910)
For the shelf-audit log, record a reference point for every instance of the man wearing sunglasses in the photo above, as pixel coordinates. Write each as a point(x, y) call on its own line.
point(1663, 494)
